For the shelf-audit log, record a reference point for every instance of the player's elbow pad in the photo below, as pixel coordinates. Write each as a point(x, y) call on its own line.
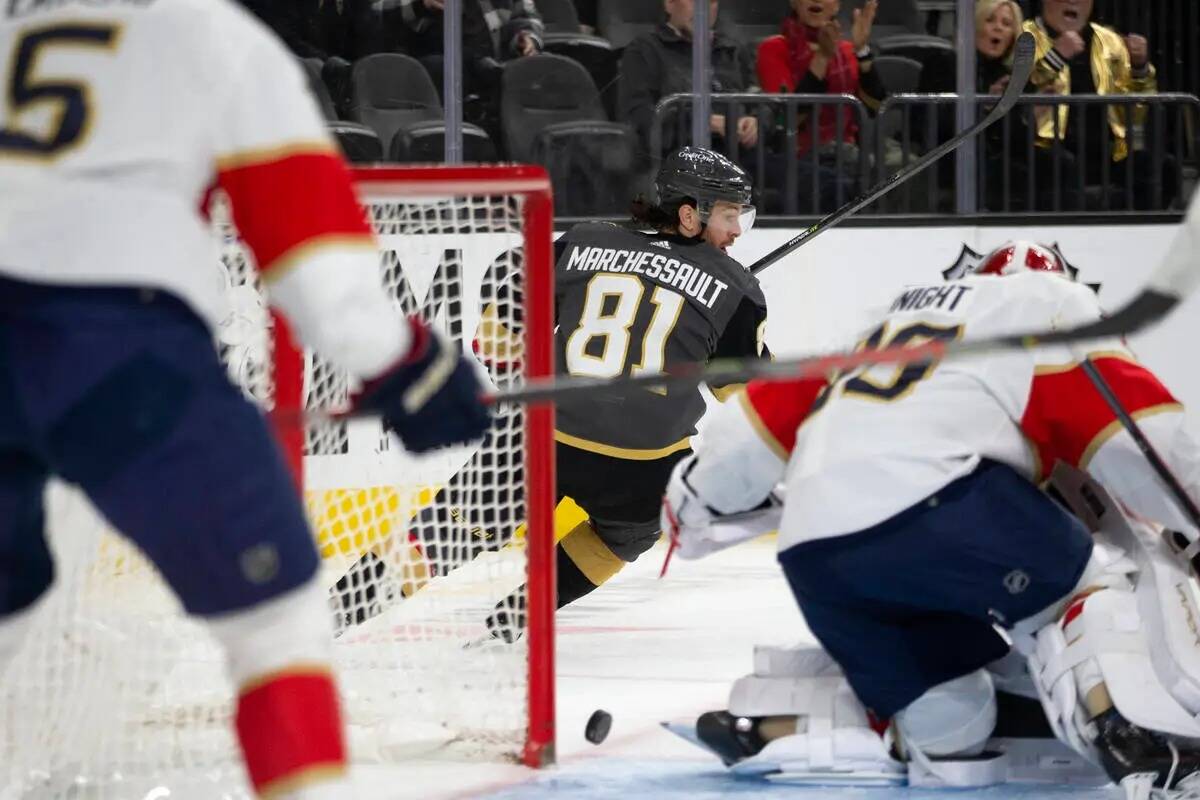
point(338, 308)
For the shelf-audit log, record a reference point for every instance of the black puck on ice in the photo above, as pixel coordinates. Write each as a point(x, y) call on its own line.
point(598, 726)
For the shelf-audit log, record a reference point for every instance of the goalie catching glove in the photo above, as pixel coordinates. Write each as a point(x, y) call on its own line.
point(429, 399)
point(698, 527)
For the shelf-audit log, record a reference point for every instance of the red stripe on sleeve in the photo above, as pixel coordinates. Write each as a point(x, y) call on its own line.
point(1066, 413)
point(781, 406)
point(283, 204)
point(290, 726)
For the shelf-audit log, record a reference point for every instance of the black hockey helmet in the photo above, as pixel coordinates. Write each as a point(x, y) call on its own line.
point(706, 177)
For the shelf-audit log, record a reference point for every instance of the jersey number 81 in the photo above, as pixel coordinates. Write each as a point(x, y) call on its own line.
point(609, 310)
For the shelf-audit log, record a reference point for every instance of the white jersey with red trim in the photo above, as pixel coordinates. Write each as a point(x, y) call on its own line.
point(122, 115)
point(880, 440)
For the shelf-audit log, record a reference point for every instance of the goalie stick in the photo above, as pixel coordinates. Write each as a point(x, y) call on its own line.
point(1021, 69)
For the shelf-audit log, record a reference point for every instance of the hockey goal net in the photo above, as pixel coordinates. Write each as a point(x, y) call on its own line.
point(115, 692)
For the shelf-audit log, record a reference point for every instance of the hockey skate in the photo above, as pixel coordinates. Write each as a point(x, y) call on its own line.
point(1139, 759)
point(732, 738)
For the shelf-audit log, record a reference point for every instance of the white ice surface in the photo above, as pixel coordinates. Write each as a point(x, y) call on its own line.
point(647, 650)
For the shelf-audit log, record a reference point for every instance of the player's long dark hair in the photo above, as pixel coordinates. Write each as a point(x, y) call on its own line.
point(663, 219)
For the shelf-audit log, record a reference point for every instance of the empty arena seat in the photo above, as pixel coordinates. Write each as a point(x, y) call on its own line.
point(596, 55)
point(931, 51)
point(551, 114)
point(394, 95)
point(360, 144)
point(900, 75)
point(390, 91)
point(559, 16)
point(425, 143)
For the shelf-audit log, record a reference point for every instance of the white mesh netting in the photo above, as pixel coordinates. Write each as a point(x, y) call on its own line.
point(115, 692)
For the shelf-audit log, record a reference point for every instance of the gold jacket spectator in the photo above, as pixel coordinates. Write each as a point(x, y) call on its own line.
point(1112, 72)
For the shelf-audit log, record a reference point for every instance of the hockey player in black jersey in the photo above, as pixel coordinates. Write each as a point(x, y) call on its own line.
point(627, 302)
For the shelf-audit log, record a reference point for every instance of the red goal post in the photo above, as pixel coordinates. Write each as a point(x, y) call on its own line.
point(532, 186)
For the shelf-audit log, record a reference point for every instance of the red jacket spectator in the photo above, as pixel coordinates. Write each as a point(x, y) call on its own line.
point(794, 62)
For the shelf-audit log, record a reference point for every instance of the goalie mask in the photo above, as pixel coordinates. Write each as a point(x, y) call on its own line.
point(1022, 256)
point(704, 177)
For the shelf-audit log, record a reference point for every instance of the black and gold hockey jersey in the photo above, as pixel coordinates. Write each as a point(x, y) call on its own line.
point(629, 303)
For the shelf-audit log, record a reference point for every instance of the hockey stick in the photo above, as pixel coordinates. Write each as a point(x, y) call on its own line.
point(1022, 67)
point(1169, 284)
point(1189, 549)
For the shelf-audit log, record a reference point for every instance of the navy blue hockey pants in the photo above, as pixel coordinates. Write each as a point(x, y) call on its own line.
point(121, 392)
point(912, 602)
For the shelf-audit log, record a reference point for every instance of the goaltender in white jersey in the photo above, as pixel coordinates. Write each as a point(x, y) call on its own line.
point(913, 530)
point(123, 117)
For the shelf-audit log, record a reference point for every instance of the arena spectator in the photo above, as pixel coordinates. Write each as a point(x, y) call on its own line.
point(997, 24)
point(1076, 56)
point(659, 63)
point(811, 57)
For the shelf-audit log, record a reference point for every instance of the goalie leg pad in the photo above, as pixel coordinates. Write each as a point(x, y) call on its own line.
point(1103, 640)
point(1166, 600)
point(944, 731)
point(288, 716)
point(1164, 586)
point(952, 718)
point(833, 732)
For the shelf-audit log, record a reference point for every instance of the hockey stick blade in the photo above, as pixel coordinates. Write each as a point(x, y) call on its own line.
point(1148, 307)
point(1022, 68)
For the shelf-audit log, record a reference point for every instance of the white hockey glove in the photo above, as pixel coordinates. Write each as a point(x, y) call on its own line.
point(696, 529)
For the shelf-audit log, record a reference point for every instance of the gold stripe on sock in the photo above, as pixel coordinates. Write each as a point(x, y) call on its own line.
point(589, 552)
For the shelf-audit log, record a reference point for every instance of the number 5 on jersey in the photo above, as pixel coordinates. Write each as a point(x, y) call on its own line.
point(609, 310)
point(46, 116)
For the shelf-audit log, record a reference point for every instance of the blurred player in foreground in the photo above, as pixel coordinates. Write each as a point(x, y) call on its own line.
point(628, 302)
point(108, 374)
point(919, 548)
